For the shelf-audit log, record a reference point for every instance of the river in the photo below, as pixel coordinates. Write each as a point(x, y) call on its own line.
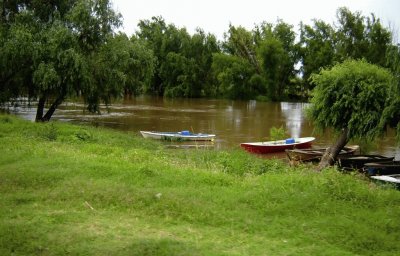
point(232, 121)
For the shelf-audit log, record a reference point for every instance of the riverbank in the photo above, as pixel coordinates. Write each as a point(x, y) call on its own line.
point(69, 189)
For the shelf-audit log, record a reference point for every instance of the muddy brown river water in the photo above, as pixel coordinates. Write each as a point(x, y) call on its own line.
point(232, 121)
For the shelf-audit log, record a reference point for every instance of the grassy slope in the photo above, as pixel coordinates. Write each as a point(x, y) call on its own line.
point(80, 190)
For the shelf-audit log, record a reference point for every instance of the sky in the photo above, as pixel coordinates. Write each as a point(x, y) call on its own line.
point(214, 16)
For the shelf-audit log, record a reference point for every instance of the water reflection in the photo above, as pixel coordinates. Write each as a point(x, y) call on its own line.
point(294, 116)
point(233, 122)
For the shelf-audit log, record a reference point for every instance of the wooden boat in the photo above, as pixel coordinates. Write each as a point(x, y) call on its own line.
point(393, 179)
point(358, 161)
point(178, 136)
point(315, 154)
point(382, 168)
point(277, 145)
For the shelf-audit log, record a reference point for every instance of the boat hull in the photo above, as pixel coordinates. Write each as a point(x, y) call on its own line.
point(382, 168)
point(276, 146)
point(315, 154)
point(359, 161)
point(178, 136)
point(393, 179)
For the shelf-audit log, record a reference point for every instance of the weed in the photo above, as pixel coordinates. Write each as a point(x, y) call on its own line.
point(6, 119)
point(277, 133)
point(50, 131)
point(83, 135)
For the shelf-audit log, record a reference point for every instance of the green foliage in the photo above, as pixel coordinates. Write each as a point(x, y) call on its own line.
point(278, 54)
point(66, 49)
point(236, 77)
point(235, 162)
point(140, 67)
point(318, 49)
point(240, 42)
point(121, 65)
point(269, 53)
point(275, 59)
point(93, 21)
point(277, 133)
point(351, 95)
point(50, 132)
point(353, 36)
point(6, 119)
point(121, 194)
point(361, 37)
point(83, 135)
point(183, 61)
point(53, 51)
point(391, 115)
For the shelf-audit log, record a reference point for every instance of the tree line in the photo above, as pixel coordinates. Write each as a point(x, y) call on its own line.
point(53, 50)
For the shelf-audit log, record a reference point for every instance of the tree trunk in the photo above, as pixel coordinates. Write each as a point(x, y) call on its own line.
point(52, 108)
point(332, 152)
point(40, 108)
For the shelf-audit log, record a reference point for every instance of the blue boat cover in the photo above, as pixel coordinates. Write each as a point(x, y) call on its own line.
point(289, 141)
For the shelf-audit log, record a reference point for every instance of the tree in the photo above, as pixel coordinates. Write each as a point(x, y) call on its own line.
point(163, 40)
point(349, 98)
point(200, 51)
point(183, 67)
point(139, 65)
point(267, 57)
point(119, 66)
point(187, 73)
point(238, 71)
point(240, 42)
point(353, 36)
point(318, 48)
point(275, 64)
point(51, 50)
point(177, 76)
point(360, 37)
point(278, 54)
point(236, 77)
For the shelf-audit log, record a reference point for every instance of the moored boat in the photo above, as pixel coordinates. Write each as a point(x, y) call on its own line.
point(393, 179)
point(382, 168)
point(358, 161)
point(178, 136)
point(315, 154)
point(277, 145)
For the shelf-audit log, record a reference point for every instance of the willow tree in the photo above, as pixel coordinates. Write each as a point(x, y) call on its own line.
point(350, 99)
point(52, 50)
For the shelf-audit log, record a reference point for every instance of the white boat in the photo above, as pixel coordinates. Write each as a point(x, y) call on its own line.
point(277, 145)
point(394, 178)
point(178, 136)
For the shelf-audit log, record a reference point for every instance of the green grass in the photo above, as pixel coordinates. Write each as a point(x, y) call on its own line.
point(80, 190)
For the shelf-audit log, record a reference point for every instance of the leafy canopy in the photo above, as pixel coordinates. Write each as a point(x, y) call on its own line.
point(52, 50)
point(351, 95)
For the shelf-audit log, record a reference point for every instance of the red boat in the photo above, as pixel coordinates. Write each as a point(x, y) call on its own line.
point(277, 145)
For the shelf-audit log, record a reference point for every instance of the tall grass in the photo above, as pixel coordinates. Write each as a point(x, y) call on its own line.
point(81, 190)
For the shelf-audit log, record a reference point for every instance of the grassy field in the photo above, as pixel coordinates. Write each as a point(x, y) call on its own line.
point(78, 190)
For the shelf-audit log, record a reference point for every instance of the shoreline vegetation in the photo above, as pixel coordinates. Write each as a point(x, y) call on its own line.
point(81, 190)
point(75, 49)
